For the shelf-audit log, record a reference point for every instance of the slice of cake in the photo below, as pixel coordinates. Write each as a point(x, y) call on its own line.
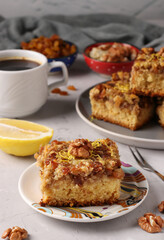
point(160, 111)
point(147, 76)
point(80, 172)
point(113, 102)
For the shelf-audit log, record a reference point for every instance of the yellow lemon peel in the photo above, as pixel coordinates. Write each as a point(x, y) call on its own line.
point(23, 138)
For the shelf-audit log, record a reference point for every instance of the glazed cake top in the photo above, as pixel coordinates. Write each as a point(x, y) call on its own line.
point(79, 157)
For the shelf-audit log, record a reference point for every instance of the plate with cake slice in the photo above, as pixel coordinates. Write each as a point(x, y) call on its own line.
point(116, 112)
point(134, 189)
point(82, 181)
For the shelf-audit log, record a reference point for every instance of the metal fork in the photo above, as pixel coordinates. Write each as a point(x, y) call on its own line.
point(143, 163)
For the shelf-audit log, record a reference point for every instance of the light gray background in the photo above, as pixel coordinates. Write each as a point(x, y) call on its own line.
point(149, 10)
point(59, 113)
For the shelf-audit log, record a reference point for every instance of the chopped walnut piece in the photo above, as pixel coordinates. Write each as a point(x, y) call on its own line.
point(147, 50)
point(161, 206)
point(105, 47)
point(80, 148)
point(16, 233)
point(161, 52)
point(151, 223)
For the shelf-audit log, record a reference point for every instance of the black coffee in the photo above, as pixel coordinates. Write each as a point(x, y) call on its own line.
point(17, 64)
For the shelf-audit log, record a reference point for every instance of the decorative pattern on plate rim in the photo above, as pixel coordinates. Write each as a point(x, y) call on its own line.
point(133, 190)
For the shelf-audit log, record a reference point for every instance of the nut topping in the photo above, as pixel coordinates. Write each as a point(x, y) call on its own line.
point(151, 223)
point(80, 148)
point(79, 157)
point(16, 233)
point(161, 52)
point(147, 50)
point(161, 207)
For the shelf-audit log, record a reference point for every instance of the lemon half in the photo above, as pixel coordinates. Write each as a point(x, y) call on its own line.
point(22, 138)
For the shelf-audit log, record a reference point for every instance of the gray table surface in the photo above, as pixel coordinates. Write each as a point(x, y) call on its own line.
point(60, 114)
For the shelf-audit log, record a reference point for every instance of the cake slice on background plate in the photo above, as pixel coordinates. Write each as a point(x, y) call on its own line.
point(147, 75)
point(114, 102)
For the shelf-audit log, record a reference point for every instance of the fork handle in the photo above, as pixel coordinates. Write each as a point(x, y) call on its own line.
point(155, 171)
point(159, 175)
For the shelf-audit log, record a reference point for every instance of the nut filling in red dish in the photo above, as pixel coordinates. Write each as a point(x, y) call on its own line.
point(115, 52)
point(110, 57)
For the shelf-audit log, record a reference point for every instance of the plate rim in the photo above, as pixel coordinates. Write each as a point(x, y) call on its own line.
point(81, 220)
point(111, 133)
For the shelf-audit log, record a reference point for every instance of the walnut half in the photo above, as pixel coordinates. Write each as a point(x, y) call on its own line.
point(80, 148)
point(151, 223)
point(16, 233)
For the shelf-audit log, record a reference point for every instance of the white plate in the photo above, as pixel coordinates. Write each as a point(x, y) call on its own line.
point(134, 189)
point(149, 136)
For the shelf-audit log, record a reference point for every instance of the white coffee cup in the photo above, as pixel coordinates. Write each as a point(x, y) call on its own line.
point(23, 92)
